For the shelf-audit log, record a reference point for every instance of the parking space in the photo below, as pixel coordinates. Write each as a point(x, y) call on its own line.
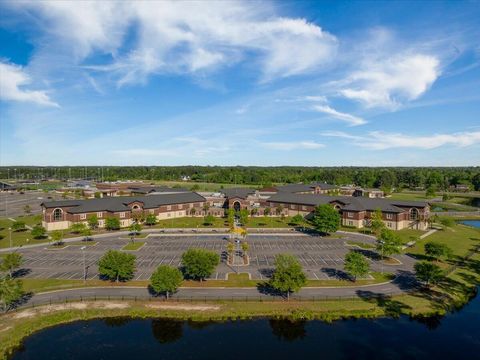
point(321, 258)
point(12, 204)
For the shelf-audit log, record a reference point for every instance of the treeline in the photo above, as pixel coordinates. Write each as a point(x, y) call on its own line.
point(383, 177)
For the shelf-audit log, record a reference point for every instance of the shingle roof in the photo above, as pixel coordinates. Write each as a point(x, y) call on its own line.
point(350, 203)
point(115, 204)
point(237, 192)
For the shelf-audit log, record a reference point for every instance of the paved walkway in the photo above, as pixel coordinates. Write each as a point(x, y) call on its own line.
point(401, 284)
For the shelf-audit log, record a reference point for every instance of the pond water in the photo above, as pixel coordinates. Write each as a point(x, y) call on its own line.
point(455, 336)
point(474, 223)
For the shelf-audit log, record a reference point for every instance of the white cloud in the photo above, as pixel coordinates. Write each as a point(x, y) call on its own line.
point(13, 79)
point(294, 145)
point(377, 140)
point(389, 81)
point(183, 37)
point(351, 119)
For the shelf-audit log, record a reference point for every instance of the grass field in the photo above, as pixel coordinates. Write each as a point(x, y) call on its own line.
point(203, 186)
point(460, 238)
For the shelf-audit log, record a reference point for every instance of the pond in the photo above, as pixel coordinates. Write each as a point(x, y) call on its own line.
point(454, 336)
point(474, 223)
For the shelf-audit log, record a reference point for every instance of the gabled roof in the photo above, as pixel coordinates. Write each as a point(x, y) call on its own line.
point(349, 203)
point(116, 204)
point(237, 192)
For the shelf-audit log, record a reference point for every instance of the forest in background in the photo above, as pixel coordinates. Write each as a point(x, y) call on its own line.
point(438, 178)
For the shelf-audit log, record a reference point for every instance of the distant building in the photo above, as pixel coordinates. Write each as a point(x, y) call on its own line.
point(7, 187)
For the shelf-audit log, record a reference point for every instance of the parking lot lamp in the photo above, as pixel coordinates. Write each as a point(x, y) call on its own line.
point(84, 267)
point(10, 233)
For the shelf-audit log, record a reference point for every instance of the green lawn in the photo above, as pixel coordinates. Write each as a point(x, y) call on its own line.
point(133, 246)
point(18, 237)
point(270, 222)
point(203, 186)
point(190, 222)
point(460, 238)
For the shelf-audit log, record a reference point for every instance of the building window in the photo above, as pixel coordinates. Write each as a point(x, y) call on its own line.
point(169, 207)
point(389, 224)
point(99, 214)
point(389, 216)
point(304, 207)
point(122, 214)
point(57, 215)
point(180, 206)
point(413, 214)
point(151, 211)
point(83, 216)
point(350, 214)
point(350, 223)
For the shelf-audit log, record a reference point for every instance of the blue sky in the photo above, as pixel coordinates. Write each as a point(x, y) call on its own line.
point(240, 83)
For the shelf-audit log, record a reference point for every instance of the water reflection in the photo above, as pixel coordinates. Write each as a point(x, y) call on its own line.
point(288, 330)
point(167, 331)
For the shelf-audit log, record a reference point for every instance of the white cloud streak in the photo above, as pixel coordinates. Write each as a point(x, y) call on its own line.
point(378, 140)
point(13, 79)
point(294, 145)
point(350, 119)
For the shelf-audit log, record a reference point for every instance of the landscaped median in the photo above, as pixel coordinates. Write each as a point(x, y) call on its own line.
point(233, 281)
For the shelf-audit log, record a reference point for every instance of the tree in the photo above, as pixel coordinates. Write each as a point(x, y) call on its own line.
point(112, 223)
point(135, 229)
point(243, 217)
point(437, 250)
point(476, 182)
point(428, 272)
point(77, 228)
point(326, 219)
point(253, 212)
point(230, 217)
point(193, 211)
point(38, 232)
point(245, 247)
point(288, 275)
point(230, 250)
point(166, 279)
point(267, 211)
point(150, 220)
point(93, 222)
point(56, 237)
point(19, 226)
point(388, 243)
point(209, 220)
point(116, 265)
point(199, 263)
point(376, 223)
point(10, 262)
point(297, 220)
point(279, 210)
point(97, 195)
point(11, 291)
point(356, 265)
point(430, 191)
point(86, 233)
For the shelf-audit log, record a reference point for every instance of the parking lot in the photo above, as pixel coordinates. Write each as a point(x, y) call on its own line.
point(12, 203)
point(321, 258)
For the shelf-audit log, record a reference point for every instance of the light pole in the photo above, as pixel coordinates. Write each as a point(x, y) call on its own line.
point(84, 267)
point(10, 232)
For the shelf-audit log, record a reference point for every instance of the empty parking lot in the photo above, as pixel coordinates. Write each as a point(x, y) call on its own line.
point(322, 258)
